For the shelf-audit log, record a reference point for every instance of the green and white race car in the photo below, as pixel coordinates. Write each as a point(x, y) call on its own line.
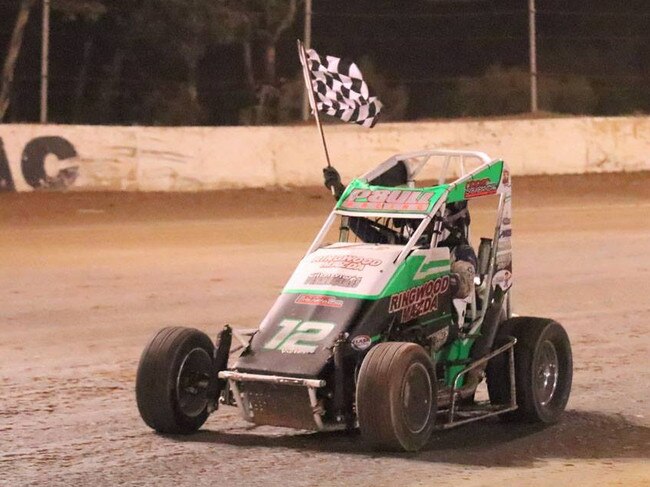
point(390, 329)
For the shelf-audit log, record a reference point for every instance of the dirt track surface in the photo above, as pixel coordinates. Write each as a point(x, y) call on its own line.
point(87, 278)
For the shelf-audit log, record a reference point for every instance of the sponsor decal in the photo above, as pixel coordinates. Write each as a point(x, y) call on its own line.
point(505, 233)
point(340, 280)
point(400, 200)
point(297, 336)
point(361, 342)
point(419, 300)
point(479, 187)
point(504, 260)
point(505, 245)
point(351, 262)
point(506, 221)
point(503, 279)
point(318, 300)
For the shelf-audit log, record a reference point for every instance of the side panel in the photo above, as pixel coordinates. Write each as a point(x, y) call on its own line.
point(503, 272)
point(419, 295)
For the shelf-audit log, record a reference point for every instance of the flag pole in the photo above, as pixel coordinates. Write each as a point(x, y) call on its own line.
point(312, 100)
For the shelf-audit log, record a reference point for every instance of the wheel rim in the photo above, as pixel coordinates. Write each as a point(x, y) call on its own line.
point(416, 398)
point(546, 373)
point(192, 382)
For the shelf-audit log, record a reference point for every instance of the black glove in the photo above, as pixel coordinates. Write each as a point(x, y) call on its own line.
point(333, 181)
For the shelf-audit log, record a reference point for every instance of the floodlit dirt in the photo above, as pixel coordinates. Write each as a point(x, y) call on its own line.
point(87, 278)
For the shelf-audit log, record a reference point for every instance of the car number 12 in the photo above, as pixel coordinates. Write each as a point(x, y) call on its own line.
point(297, 336)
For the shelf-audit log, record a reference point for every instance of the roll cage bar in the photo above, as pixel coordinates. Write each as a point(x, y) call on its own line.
point(416, 161)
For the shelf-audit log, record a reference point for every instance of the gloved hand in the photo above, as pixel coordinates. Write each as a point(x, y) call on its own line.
point(332, 181)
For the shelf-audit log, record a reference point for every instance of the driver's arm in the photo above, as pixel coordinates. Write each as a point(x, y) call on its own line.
point(362, 227)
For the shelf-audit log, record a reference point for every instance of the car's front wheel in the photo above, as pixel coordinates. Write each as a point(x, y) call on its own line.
point(396, 397)
point(173, 380)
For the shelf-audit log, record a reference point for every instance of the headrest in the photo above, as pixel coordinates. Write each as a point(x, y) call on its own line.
point(395, 176)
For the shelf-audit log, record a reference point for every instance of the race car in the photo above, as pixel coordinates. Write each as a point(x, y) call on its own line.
point(371, 331)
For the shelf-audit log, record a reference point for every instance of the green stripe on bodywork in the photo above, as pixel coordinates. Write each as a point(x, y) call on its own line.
point(329, 292)
point(433, 264)
point(402, 279)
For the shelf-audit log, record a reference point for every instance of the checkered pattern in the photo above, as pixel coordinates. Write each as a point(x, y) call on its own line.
point(340, 90)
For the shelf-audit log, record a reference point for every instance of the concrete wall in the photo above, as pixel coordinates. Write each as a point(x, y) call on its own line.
point(188, 159)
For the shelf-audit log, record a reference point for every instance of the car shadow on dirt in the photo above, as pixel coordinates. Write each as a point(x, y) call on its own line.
point(581, 435)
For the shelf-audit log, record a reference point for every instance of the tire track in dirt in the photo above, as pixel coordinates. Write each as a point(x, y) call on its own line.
point(67, 407)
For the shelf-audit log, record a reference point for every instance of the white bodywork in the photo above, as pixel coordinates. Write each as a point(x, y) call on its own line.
point(364, 269)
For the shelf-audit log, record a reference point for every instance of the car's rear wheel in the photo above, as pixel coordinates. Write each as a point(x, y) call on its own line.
point(396, 397)
point(173, 380)
point(543, 370)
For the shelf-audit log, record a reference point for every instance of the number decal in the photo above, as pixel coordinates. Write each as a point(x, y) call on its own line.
point(306, 336)
point(295, 336)
point(285, 329)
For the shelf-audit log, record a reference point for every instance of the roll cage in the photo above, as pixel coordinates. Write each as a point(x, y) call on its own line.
point(489, 171)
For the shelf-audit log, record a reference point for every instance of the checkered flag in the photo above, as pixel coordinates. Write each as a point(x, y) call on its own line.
point(340, 90)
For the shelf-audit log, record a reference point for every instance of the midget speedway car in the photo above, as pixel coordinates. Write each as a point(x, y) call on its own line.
point(372, 334)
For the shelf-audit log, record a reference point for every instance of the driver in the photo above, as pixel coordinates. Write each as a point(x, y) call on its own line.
point(455, 236)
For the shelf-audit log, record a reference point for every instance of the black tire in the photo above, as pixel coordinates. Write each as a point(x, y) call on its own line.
point(396, 397)
point(173, 378)
point(543, 370)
